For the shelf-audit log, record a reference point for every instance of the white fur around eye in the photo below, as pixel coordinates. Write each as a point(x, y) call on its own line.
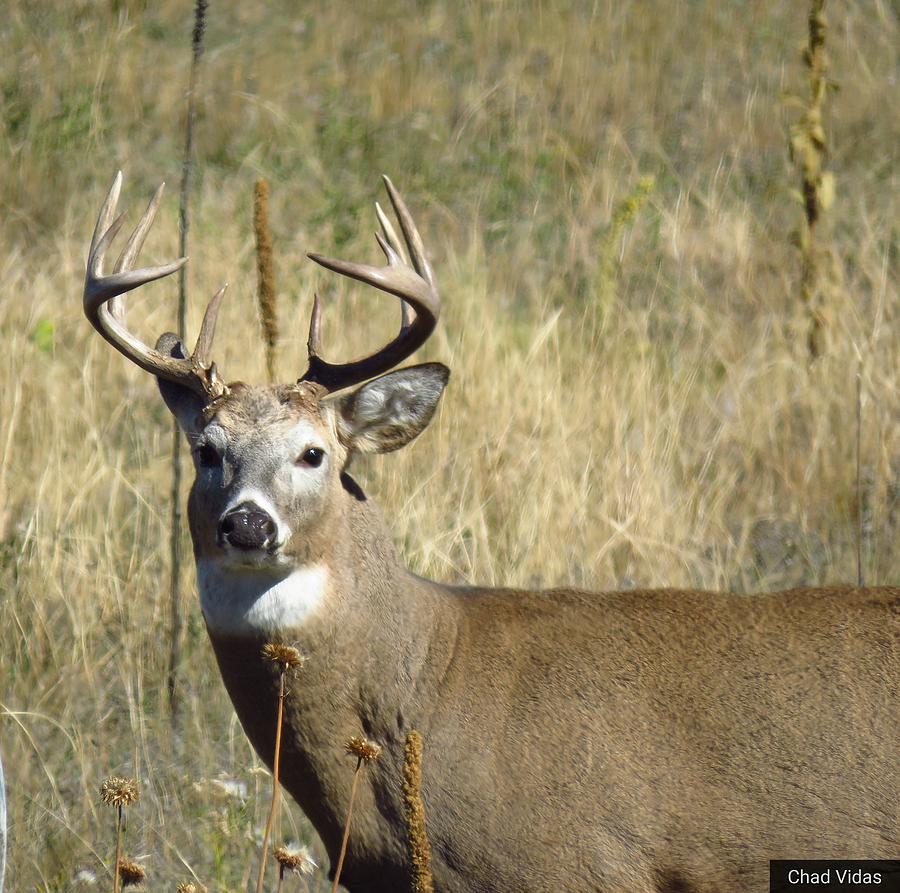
point(303, 436)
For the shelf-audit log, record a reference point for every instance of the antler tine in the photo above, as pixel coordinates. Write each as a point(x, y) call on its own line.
point(414, 286)
point(390, 236)
point(104, 219)
point(410, 234)
point(133, 248)
point(413, 241)
point(203, 347)
point(313, 342)
point(107, 315)
point(387, 229)
point(405, 318)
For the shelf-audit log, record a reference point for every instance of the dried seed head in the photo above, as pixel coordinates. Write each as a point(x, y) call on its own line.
point(131, 873)
point(414, 811)
point(186, 888)
point(265, 273)
point(116, 791)
point(287, 656)
point(366, 750)
point(296, 859)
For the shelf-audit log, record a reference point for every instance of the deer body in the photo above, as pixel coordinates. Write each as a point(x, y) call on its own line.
point(620, 742)
point(638, 742)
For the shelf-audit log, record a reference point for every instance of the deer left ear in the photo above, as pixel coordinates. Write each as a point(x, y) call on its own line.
point(388, 412)
point(183, 403)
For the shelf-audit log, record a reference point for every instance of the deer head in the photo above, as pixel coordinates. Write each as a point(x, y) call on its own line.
point(270, 460)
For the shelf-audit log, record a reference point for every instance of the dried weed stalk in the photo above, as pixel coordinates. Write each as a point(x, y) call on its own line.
point(623, 217)
point(288, 660)
point(175, 550)
point(120, 793)
point(809, 152)
point(414, 812)
point(265, 273)
point(365, 752)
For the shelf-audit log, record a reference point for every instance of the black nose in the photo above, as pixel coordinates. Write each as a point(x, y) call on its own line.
point(247, 527)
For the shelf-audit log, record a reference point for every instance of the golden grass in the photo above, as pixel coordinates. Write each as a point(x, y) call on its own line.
point(641, 445)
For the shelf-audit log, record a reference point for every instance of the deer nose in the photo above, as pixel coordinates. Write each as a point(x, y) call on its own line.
point(247, 526)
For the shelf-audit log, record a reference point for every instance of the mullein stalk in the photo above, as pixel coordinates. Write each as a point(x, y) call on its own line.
point(414, 812)
point(265, 274)
point(809, 151)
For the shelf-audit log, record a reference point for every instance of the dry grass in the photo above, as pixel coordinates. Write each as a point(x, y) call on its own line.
point(642, 444)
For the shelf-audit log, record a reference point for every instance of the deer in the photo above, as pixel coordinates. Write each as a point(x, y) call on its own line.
point(658, 741)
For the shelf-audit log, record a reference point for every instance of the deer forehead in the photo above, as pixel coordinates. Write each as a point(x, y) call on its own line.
point(266, 445)
point(259, 424)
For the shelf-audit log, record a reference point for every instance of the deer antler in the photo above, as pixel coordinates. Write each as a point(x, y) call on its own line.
point(106, 311)
point(414, 285)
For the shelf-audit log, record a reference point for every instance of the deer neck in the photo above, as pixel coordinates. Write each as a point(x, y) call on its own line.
point(376, 638)
point(345, 587)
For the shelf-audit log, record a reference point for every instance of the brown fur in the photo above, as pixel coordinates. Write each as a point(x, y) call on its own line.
point(631, 742)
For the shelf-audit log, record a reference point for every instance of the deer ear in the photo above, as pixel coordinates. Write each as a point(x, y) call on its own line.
point(388, 412)
point(186, 405)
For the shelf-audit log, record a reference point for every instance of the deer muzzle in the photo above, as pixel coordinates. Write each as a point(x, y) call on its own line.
point(247, 527)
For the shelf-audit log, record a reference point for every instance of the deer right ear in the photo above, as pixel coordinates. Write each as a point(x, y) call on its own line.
point(186, 405)
point(388, 412)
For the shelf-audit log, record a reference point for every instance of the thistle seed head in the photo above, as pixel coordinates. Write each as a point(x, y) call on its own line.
point(296, 859)
point(365, 750)
point(116, 791)
point(288, 657)
point(131, 873)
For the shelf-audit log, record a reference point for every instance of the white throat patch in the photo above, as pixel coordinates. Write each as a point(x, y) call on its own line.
point(245, 602)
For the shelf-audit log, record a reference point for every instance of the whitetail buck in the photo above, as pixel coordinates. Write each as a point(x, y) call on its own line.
point(623, 742)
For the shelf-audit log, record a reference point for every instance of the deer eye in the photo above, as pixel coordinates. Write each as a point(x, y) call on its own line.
point(312, 457)
point(207, 457)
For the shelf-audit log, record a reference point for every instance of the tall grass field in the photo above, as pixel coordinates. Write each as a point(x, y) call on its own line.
point(615, 222)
